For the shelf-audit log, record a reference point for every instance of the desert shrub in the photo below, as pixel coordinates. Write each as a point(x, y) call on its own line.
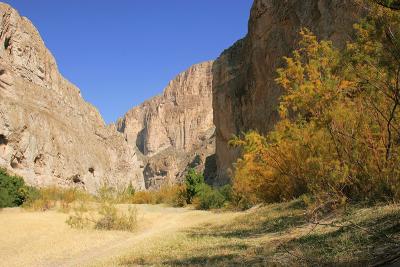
point(144, 197)
point(13, 190)
point(54, 197)
point(338, 138)
point(113, 219)
point(227, 192)
point(105, 215)
point(79, 219)
point(193, 181)
point(174, 195)
point(126, 195)
point(208, 198)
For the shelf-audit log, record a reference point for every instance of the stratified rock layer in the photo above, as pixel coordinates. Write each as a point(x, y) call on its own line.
point(174, 131)
point(245, 95)
point(48, 133)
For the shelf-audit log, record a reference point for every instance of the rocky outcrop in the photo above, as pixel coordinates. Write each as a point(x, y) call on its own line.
point(48, 133)
point(245, 95)
point(174, 131)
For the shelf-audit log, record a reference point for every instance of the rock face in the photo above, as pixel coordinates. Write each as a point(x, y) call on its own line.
point(245, 95)
point(174, 131)
point(48, 133)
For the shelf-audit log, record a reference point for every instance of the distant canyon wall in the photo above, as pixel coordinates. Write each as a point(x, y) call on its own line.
point(174, 131)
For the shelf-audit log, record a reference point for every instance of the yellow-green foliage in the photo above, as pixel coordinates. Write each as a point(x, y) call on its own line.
point(338, 138)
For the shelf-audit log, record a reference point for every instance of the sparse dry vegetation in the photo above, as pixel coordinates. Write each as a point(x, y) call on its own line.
point(61, 199)
point(281, 235)
point(104, 214)
point(173, 195)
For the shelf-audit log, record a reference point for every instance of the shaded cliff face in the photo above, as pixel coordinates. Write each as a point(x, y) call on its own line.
point(48, 133)
point(245, 95)
point(174, 131)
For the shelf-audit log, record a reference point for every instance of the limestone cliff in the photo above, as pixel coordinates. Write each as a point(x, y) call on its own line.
point(174, 131)
point(48, 133)
point(245, 95)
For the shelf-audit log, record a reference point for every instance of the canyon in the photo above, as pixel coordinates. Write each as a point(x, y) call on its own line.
point(50, 136)
point(175, 131)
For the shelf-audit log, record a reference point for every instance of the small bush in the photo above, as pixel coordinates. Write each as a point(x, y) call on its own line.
point(112, 219)
point(13, 190)
point(193, 181)
point(144, 197)
point(208, 198)
point(106, 216)
point(174, 195)
point(52, 197)
point(79, 220)
point(127, 194)
point(227, 192)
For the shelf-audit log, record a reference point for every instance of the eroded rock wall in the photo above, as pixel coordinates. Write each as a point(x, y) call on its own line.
point(174, 131)
point(48, 133)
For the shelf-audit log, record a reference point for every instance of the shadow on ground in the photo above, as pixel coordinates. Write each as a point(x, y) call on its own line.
point(279, 235)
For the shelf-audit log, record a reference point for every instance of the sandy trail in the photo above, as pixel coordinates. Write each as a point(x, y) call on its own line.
point(44, 239)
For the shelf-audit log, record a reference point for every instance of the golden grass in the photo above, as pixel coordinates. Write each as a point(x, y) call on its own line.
point(58, 198)
point(173, 195)
point(44, 239)
point(278, 234)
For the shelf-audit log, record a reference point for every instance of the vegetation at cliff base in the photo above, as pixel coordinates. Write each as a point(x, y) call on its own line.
point(338, 138)
point(193, 191)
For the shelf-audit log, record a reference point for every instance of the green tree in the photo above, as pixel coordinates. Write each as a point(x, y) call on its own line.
point(192, 181)
point(13, 191)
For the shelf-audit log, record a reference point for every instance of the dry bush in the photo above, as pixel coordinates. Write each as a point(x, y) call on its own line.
point(55, 197)
point(113, 219)
point(105, 215)
point(174, 195)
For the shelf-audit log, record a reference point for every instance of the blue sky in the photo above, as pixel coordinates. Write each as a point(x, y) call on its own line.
point(122, 52)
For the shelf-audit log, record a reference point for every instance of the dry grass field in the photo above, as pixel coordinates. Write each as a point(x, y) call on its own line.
point(276, 234)
point(44, 239)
